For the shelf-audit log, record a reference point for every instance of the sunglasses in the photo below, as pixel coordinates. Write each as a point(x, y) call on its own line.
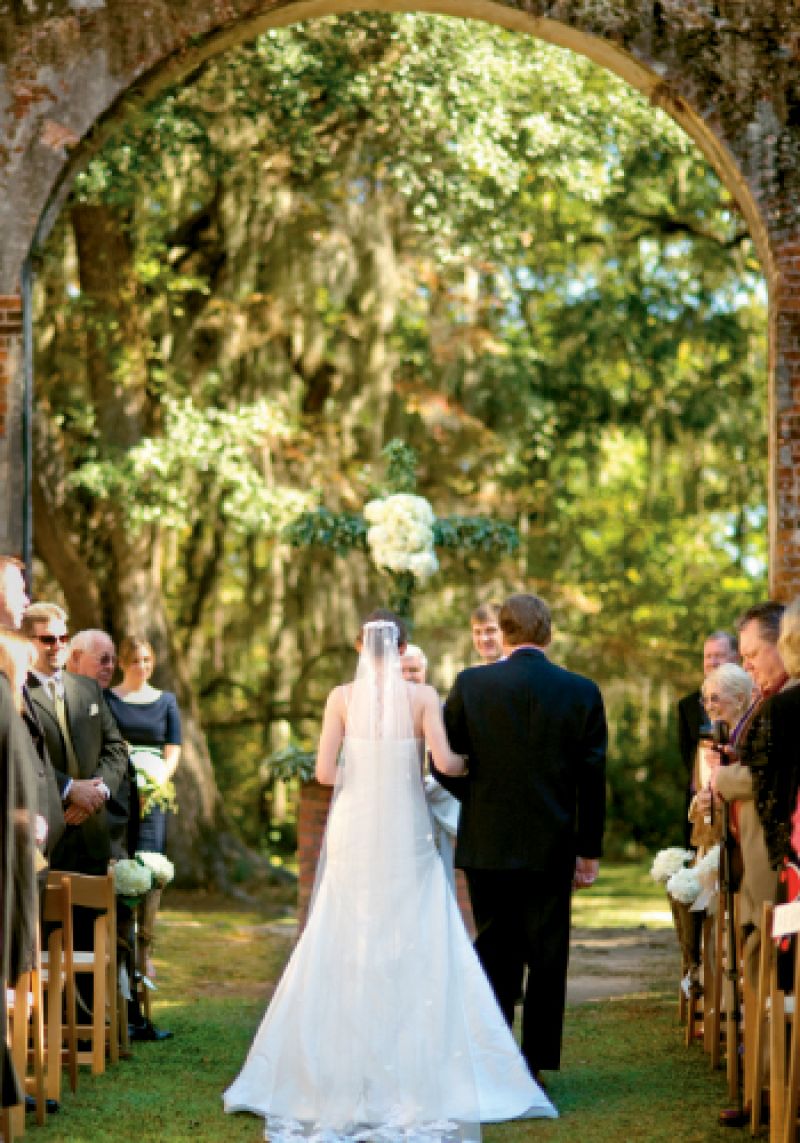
point(52, 640)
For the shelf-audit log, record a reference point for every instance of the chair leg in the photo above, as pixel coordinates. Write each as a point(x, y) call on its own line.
point(99, 1002)
point(792, 1089)
point(755, 1024)
point(37, 1046)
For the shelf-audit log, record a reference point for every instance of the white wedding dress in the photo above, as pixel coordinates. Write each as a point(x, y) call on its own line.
point(383, 1025)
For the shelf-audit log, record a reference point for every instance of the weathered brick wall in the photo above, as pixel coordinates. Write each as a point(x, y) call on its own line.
point(727, 70)
point(10, 423)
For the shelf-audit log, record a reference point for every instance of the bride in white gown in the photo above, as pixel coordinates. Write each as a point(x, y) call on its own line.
point(383, 1025)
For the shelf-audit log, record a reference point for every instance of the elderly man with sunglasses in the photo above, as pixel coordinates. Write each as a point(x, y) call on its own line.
point(86, 748)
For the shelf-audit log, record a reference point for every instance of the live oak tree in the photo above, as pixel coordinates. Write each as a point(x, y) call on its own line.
point(377, 227)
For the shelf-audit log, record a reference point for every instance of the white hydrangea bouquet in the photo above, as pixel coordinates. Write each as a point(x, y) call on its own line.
point(669, 861)
point(400, 536)
point(155, 789)
point(132, 880)
point(161, 868)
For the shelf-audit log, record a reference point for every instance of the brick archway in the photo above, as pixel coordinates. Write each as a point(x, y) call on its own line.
point(728, 75)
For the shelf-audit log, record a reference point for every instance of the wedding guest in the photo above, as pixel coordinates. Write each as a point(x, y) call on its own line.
point(150, 721)
point(18, 898)
point(13, 593)
point(17, 656)
point(759, 629)
point(720, 647)
point(772, 749)
point(727, 693)
point(486, 635)
point(92, 653)
point(13, 603)
point(88, 753)
point(414, 664)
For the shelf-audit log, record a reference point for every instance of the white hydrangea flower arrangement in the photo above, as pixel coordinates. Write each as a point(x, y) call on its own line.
point(684, 886)
point(400, 536)
point(668, 861)
point(161, 867)
point(132, 879)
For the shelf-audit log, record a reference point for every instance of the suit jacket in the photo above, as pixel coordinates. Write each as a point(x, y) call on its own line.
point(691, 714)
point(101, 753)
point(48, 794)
point(535, 735)
point(18, 905)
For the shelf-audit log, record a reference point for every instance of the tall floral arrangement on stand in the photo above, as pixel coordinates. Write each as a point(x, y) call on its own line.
point(400, 530)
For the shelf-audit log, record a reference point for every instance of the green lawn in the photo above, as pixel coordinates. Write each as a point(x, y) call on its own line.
point(627, 1075)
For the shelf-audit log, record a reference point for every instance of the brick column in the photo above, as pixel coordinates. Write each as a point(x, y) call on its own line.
point(11, 390)
point(784, 503)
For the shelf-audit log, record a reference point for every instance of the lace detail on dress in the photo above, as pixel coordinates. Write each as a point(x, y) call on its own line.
point(279, 1130)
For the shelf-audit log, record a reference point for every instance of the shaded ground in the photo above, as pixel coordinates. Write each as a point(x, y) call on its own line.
point(607, 963)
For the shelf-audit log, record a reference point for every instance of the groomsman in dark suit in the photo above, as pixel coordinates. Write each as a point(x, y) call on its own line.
point(88, 753)
point(532, 815)
point(13, 603)
point(719, 648)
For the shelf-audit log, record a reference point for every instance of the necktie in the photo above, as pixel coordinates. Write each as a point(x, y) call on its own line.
point(57, 695)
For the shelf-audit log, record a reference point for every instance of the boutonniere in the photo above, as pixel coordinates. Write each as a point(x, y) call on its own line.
point(94, 709)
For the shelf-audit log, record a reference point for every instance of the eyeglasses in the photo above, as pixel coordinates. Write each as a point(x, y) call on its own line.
point(104, 660)
point(52, 640)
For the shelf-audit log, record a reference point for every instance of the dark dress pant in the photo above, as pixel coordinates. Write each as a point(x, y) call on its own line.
point(522, 918)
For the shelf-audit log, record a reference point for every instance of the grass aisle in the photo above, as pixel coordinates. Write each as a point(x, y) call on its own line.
point(627, 1075)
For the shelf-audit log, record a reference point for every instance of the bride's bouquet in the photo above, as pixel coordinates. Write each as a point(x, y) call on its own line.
point(156, 790)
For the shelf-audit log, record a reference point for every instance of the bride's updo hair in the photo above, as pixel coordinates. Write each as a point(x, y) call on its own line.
point(383, 615)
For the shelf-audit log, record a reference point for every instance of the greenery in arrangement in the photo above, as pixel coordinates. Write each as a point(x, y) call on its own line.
point(291, 762)
point(331, 239)
point(403, 530)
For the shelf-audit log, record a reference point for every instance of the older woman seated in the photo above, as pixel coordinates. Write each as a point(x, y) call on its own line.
point(727, 693)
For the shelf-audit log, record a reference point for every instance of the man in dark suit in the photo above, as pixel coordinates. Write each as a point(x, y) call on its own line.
point(532, 815)
point(719, 648)
point(13, 603)
point(88, 752)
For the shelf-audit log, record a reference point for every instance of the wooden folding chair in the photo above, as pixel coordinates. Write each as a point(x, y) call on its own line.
point(785, 1096)
point(99, 963)
point(58, 980)
point(26, 1025)
point(714, 962)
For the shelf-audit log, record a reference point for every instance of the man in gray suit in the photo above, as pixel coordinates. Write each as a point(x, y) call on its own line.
point(88, 752)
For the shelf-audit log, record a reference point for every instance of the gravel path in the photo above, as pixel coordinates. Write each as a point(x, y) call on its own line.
point(608, 963)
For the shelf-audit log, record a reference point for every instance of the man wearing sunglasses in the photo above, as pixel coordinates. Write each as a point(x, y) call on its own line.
point(86, 748)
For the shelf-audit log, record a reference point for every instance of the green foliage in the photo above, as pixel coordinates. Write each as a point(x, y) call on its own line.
point(341, 532)
point(411, 229)
point(292, 762)
point(401, 467)
point(476, 534)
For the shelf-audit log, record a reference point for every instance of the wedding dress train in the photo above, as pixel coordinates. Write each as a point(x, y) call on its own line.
point(383, 1025)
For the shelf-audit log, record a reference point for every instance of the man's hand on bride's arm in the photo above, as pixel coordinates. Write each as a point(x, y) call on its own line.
point(586, 872)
